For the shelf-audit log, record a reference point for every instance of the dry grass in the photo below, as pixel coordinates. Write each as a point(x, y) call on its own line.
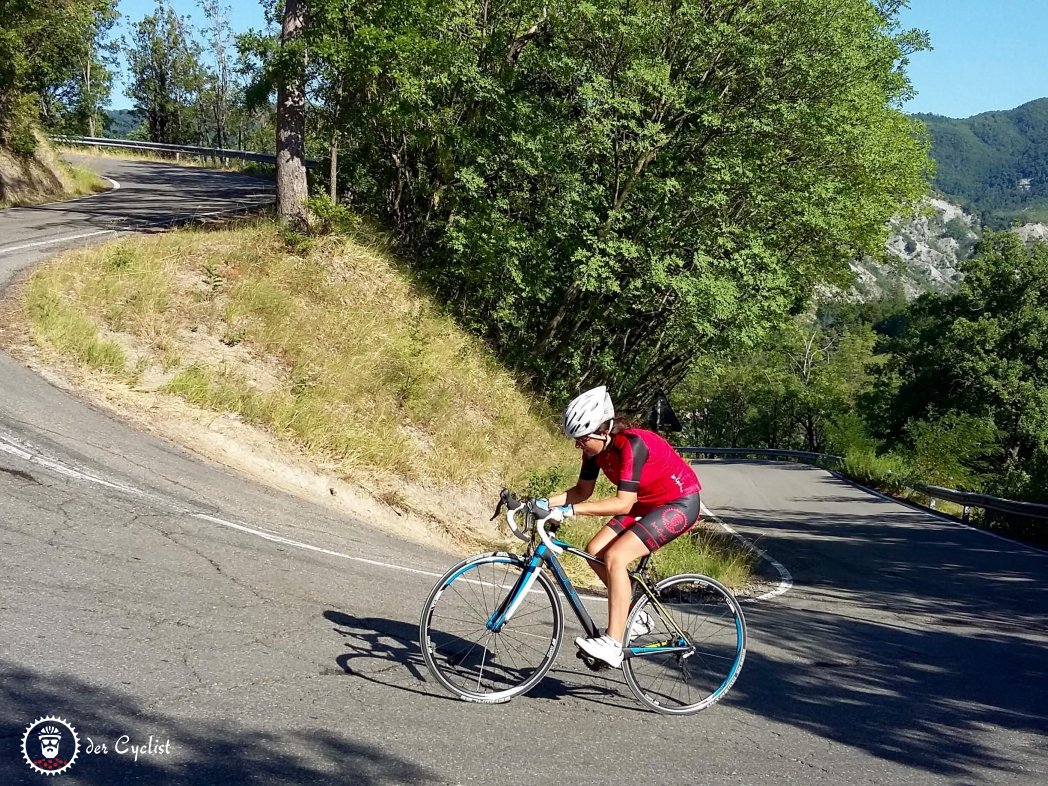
point(326, 345)
point(43, 178)
point(233, 165)
point(362, 371)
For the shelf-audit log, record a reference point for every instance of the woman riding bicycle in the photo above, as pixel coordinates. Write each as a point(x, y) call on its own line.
point(657, 500)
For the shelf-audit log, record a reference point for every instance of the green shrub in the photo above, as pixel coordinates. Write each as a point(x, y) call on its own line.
point(330, 218)
point(847, 433)
point(888, 473)
point(954, 450)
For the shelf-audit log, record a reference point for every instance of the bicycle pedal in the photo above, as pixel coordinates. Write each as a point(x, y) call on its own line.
point(593, 664)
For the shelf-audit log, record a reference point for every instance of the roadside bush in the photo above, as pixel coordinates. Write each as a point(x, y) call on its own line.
point(889, 472)
point(954, 450)
point(331, 218)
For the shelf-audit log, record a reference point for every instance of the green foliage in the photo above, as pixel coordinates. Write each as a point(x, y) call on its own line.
point(957, 229)
point(166, 78)
point(953, 451)
point(193, 86)
point(847, 434)
point(888, 472)
point(606, 190)
point(995, 162)
point(981, 354)
point(549, 481)
point(793, 392)
point(45, 47)
point(119, 123)
point(329, 218)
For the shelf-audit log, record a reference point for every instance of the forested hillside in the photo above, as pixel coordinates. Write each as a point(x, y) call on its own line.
point(995, 163)
point(120, 123)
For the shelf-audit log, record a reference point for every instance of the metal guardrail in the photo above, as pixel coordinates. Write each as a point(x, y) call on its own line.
point(177, 150)
point(803, 455)
point(966, 498)
point(985, 501)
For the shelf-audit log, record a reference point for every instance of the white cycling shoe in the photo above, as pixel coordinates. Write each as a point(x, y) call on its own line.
point(603, 648)
point(641, 626)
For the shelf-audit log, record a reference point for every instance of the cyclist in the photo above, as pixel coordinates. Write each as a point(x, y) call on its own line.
point(657, 500)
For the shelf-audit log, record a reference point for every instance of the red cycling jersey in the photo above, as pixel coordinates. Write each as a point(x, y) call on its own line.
point(641, 461)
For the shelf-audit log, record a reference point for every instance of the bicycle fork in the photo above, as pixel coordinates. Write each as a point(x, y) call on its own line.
point(508, 606)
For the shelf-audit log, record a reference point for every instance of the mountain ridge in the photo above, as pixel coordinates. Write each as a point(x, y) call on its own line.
point(994, 164)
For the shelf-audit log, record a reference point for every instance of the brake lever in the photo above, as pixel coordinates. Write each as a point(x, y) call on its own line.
point(498, 509)
point(507, 499)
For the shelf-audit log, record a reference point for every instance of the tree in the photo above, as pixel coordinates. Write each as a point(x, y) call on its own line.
point(291, 116)
point(166, 78)
point(956, 450)
point(44, 46)
point(982, 353)
point(75, 105)
point(787, 393)
point(219, 79)
point(606, 191)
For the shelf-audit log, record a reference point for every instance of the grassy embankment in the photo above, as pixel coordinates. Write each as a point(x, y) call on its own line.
point(325, 344)
point(43, 177)
point(254, 168)
point(891, 475)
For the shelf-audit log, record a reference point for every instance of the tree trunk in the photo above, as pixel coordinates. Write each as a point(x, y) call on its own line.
point(333, 170)
point(291, 119)
point(89, 99)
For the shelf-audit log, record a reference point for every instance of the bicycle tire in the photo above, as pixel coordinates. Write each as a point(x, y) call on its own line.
point(490, 669)
point(712, 620)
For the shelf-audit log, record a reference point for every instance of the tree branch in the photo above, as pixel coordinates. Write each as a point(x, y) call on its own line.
point(515, 48)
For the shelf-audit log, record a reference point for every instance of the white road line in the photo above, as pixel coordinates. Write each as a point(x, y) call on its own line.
point(22, 452)
point(309, 547)
point(388, 565)
point(52, 241)
point(26, 454)
point(785, 579)
point(63, 469)
point(34, 457)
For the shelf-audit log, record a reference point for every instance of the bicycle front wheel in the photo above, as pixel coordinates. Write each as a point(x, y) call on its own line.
point(463, 641)
point(693, 649)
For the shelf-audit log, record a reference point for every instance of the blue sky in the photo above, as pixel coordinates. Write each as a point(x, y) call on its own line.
point(987, 54)
point(243, 15)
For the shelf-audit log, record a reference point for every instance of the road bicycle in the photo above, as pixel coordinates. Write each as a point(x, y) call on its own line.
point(493, 624)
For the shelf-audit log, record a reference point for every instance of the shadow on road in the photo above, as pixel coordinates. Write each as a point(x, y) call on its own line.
point(923, 698)
point(152, 194)
point(202, 751)
point(387, 652)
point(916, 640)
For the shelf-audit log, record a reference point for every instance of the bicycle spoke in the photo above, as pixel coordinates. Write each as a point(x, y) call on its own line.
point(682, 681)
point(472, 660)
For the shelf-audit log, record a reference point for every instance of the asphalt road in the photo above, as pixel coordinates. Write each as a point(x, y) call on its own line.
point(144, 591)
point(143, 196)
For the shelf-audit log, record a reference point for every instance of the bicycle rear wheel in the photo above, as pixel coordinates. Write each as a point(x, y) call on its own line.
point(694, 650)
point(463, 651)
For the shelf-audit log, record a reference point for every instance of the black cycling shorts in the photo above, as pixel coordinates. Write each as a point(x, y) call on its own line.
point(658, 527)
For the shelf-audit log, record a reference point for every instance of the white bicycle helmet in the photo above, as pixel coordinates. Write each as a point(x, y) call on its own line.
point(587, 412)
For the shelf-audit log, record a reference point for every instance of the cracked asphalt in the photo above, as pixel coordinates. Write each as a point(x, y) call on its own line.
point(910, 650)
